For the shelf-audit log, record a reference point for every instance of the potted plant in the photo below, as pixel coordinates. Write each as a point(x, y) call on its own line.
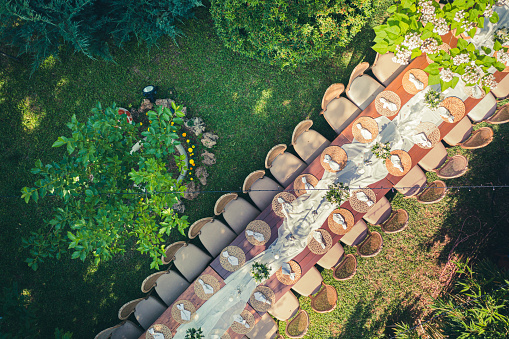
point(194, 333)
point(381, 150)
point(260, 272)
point(432, 99)
point(338, 193)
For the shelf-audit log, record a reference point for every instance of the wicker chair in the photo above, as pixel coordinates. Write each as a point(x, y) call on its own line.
point(412, 183)
point(326, 300)
point(501, 117)
point(146, 310)
point(332, 257)
point(301, 320)
point(285, 308)
point(213, 234)
point(236, 211)
point(150, 281)
point(379, 212)
point(261, 189)
point(309, 283)
point(308, 143)
point(435, 158)
point(459, 133)
point(502, 89)
point(454, 167)
point(188, 259)
point(433, 193)
point(480, 138)
point(124, 330)
point(386, 70)
point(362, 89)
point(284, 166)
point(265, 328)
point(346, 269)
point(356, 234)
point(397, 222)
point(168, 285)
point(333, 92)
point(371, 246)
point(484, 109)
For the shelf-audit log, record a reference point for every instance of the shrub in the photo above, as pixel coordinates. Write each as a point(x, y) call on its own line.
point(105, 192)
point(288, 33)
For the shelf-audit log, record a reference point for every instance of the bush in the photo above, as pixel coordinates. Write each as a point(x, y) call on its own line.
point(288, 33)
point(41, 27)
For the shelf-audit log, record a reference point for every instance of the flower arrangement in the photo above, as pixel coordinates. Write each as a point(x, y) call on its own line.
point(194, 333)
point(432, 99)
point(381, 150)
point(338, 193)
point(260, 272)
point(502, 36)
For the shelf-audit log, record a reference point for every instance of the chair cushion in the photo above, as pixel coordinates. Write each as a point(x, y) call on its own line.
point(356, 234)
point(170, 286)
point(191, 261)
point(502, 89)
point(265, 328)
point(128, 330)
point(286, 307)
point(386, 70)
point(331, 258)
point(379, 213)
point(484, 109)
point(412, 183)
point(238, 213)
point(310, 144)
point(268, 189)
point(340, 113)
point(148, 310)
point(364, 90)
point(215, 236)
point(286, 167)
point(435, 158)
point(459, 133)
point(309, 283)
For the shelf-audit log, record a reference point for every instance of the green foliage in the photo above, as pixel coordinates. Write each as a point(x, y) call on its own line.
point(477, 308)
point(288, 33)
point(40, 27)
point(338, 193)
point(99, 183)
point(194, 333)
point(260, 272)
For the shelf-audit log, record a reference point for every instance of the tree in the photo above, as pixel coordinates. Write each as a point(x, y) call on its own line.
point(41, 27)
point(288, 33)
point(107, 193)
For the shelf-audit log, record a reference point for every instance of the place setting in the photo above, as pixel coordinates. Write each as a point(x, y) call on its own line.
point(257, 232)
point(183, 311)
point(232, 258)
point(319, 241)
point(414, 81)
point(262, 298)
point(387, 103)
point(362, 199)
point(398, 163)
point(281, 204)
point(365, 130)
point(451, 110)
point(289, 273)
point(426, 135)
point(304, 183)
point(206, 286)
point(158, 331)
point(333, 159)
point(243, 323)
point(340, 221)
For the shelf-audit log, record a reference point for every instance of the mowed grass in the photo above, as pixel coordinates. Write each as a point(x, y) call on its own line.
point(252, 107)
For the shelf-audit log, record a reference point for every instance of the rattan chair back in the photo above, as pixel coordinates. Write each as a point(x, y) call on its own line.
point(195, 228)
point(105, 334)
point(251, 179)
point(273, 153)
point(480, 138)
point(328, 292)
point(301, 127)
point(169, 252)
point(454, 167)
point(150, 281)
point(125, 311)
point(500, 117)
point(333, 92)
point(223, 201)
point(357, 72)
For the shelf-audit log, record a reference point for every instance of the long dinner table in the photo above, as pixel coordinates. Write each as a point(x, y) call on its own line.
point(307, 259)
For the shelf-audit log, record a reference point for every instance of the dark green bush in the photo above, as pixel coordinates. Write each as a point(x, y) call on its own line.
point(288, 33)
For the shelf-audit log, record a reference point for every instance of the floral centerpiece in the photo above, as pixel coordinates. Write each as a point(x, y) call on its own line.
point(381, 150)
point(194, 333)
point(260, 272)
point(338, 193)
point(432, 99)
point(502, 36)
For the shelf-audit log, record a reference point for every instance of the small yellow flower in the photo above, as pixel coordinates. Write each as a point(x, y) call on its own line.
point(184, 134)
point(191, 162)
point(150, 121)
point(191, 179)
point(172, 123)
point(190, 150)
point(191, 168)
point(191, 154)
point(187, 140)
point(148, 129)
point(194, 146)
point(141, 123)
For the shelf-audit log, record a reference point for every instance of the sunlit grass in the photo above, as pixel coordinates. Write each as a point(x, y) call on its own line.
point(31, 113)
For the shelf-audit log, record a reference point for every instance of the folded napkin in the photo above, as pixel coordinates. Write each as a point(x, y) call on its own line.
point(333, 165)
point(444, 113)
point(307, 185)
point(287, 208)
point(256, 235)
point(156, 335)
point(422, 140)
point(238, 318)
point(184, 314)
point(261, 297)
point(318, 237)
point(206, 287)
point(364, 198)
point(338, 219)
point(231, 259)
point(388, 104)
point(477, 92)
point(417, 83)
point(364, 132)
point(287, 270)
point(396, 161)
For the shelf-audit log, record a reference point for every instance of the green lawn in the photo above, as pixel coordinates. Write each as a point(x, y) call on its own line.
point(252, 107)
